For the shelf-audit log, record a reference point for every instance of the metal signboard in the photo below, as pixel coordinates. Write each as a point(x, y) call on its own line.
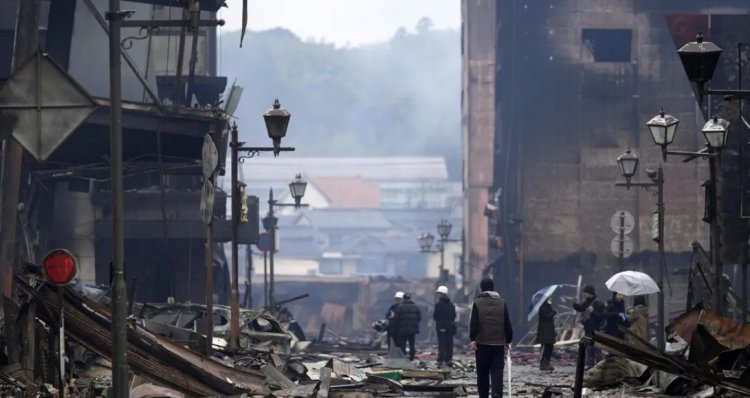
point(210, 157)
point(265, 242)
point(45, 103)
point(615, 222)
point(208, 193)
point(627, 245)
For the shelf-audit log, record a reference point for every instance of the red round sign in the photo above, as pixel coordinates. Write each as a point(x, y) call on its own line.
point(265, 241)
point(59, 267)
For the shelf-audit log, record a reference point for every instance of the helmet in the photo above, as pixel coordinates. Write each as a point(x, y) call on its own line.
point(399, 295)
point(442, 289)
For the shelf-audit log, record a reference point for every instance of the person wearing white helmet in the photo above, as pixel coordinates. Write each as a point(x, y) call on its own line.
point(390, 315)
point(445, 325)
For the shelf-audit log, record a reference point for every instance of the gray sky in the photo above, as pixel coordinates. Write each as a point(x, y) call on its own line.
point(343, 22)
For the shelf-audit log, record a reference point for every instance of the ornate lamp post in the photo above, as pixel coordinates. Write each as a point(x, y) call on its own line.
point(715, 132)
point(277, 121)
point(426, 240)
point(628, 163)
point(270, 223)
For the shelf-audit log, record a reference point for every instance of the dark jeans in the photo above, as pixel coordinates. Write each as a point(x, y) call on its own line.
point(547, 351)
point(445, 346)
point(408, 338)
point(490, 365)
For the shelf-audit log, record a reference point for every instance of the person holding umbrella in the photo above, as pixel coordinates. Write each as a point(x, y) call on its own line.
point(545, 333)
point(615, 316)
point(541, 303)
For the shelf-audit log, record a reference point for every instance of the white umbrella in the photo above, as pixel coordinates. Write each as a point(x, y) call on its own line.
point(632, 283)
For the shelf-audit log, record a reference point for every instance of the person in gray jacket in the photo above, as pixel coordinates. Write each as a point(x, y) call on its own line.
point(490, 332)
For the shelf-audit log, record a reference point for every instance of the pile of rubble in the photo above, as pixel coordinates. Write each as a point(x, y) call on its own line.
point(165, 355)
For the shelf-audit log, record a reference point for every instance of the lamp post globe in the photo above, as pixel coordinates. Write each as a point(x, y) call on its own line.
point(699, 58)
point(422, 242)
point(297, 187)
point(715, 131)
point(429, 240)
point(663, 128)
point(628, 163)
point(444, 229)
point(277, 121)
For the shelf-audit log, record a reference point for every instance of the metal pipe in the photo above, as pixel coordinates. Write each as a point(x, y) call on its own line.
point(265, 279)
point(744, 292)
point(715, 257)
point(193, 61)
point(271, 204)
point(621, 257)
point(210, 286)
point(662, 260)
point(119, 311)
point(442, 261)
point(179, 94)
point(234, 332)
point(580, 366)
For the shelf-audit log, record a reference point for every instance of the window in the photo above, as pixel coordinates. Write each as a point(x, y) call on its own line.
point(331, 267)
point(608, 45)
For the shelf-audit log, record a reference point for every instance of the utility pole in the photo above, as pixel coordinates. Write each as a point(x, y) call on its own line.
point(662, 260)
point(25, 43)
point(621, 257)
point(119, 321)
point(274, 221)
point(718, 302)
point(234, 331)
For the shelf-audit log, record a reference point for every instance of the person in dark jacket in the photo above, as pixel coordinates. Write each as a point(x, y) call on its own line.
point(408, 317)
point(445, 325)
point(545, 333)
point(390, 315)
point(593, 320)
point(490, 332)
point(615, 316)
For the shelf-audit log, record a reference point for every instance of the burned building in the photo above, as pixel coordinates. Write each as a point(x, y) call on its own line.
point(172, 100)
point(553, 92)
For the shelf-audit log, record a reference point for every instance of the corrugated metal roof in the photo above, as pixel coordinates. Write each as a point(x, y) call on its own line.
point(370, 168)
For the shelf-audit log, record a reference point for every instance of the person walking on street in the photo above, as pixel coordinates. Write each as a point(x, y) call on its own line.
point(593, 320)
point(615, 316)
point(390, 316)
point(408, 317)
point(490, 332)
point(545, 334)
point(445, 324)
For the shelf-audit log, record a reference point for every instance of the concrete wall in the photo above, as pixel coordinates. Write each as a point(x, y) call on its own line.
point(478, 127)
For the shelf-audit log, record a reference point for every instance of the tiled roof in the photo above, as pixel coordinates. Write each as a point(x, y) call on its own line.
point(349, 192)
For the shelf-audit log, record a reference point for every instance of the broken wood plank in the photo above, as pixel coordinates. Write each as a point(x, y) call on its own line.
point(325, 382)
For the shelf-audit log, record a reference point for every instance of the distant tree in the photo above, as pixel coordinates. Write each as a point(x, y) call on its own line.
point(397, 98)
point(424, 25)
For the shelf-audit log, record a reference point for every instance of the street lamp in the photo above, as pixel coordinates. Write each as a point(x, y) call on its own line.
point(700, 58)
point(715, 132)
point(426, 240)
point(628, 162)
point(297, 188)
point(270, 223)
point(662, 128)
point(277, 121)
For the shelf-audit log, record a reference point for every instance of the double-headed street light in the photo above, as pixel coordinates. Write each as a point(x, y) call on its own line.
point(663, 128)
point(277, 121)
point(628, 163)
point(270, 223)
point(426, 240)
